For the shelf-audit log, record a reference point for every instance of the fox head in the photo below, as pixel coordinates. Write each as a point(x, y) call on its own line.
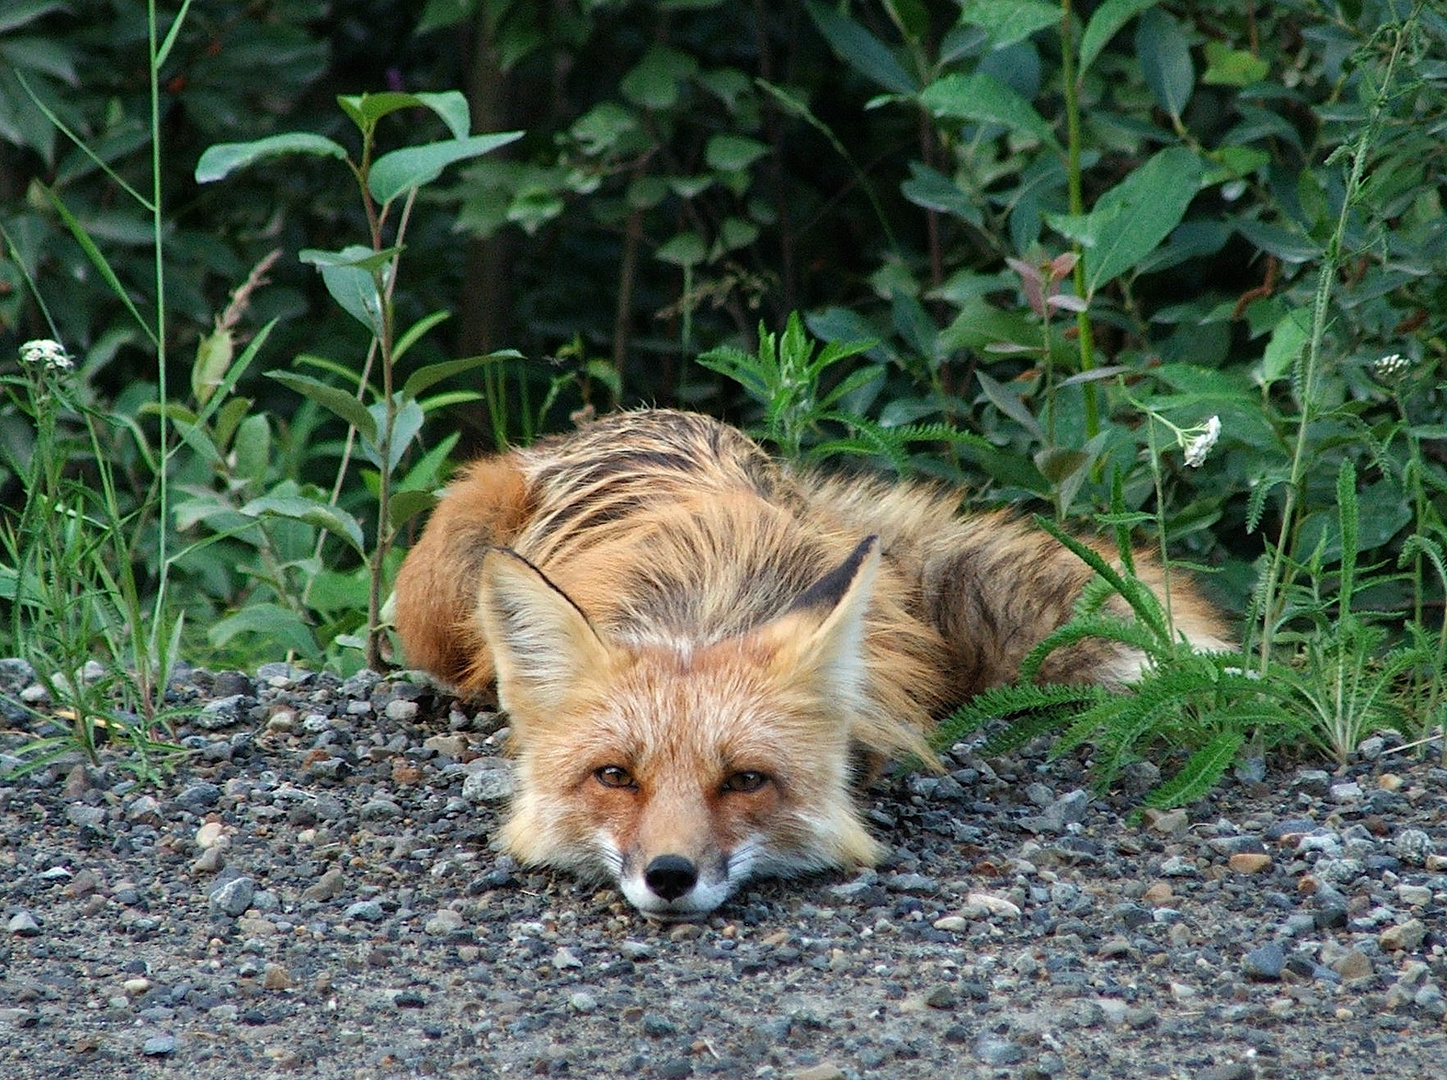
point(681, 769)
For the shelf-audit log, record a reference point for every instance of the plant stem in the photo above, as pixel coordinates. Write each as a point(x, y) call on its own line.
point(148, 644)
point(1083, 326)
point(1279, 573)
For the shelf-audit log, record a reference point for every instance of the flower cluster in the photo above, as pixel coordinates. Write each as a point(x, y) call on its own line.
point(1392, 368)
point(1205, 438)
point(45, 355)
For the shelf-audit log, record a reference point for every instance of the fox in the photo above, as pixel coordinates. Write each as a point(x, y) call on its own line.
point(705, 652)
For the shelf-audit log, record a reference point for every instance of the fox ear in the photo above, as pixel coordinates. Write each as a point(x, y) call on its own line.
point(822, 632)
point(542, 646)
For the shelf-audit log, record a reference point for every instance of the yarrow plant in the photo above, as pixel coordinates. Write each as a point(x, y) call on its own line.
point(67, 575)
point(1392, 369)
point(44, 355)
point(1200, 446)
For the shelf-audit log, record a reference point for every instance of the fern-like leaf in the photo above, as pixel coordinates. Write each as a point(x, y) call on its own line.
point(1103, 627)
point(1199, 774)
point(1016, 702)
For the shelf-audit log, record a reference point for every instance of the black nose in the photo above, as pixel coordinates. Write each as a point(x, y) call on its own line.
point(670, 876)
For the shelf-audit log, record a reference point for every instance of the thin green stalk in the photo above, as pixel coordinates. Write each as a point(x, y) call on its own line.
point(1071, 90)
point(1279, 574)
point(163, 509)
point(1162, 554)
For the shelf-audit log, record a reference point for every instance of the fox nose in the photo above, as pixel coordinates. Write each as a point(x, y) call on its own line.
point(670, 876)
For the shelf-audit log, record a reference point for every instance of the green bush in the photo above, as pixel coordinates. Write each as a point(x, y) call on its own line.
point(1043, 248)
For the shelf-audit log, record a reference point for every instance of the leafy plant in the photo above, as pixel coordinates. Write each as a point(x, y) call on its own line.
point(805, 418)
point(69, 579)
point(385, 418)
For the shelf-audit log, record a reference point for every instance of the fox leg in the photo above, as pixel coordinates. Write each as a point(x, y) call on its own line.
point(436, 592)
point(995, 588)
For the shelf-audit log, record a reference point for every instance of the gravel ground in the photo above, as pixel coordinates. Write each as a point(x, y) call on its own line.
point(313, 894)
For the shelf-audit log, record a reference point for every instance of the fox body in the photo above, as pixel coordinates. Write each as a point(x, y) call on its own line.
point(703, 651)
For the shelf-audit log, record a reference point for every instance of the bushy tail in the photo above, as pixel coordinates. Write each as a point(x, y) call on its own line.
point(437, 585)
point(995, 586)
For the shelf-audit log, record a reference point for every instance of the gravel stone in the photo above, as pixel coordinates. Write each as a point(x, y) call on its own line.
point(489, 782)
point(1015, 928)
point(367, 911)
point(159, 1046)
point(1265, 962)
point(232, 897)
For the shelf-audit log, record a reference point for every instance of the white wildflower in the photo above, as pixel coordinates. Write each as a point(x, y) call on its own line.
point(1391, 368)
point(1200, 446)
point(45, 354)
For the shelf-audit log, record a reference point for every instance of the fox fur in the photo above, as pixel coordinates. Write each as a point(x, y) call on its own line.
point(702, 651)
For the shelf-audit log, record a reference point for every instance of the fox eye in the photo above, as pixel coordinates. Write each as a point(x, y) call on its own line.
point(745, 781)
point(614, 776)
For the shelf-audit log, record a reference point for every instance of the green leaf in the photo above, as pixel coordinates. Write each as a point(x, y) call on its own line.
point(862, 51)
point(441, 13)
point(252, 448)
point(1226, 66)
point(413, 166)
point(1105, 23)
point(1133, 218)
point(653, 82)
point(1010, 405)
point(1200, 772)
point(984, 99)
point(19, 12)
point(347, 275)
point(1286, 245)
point(1058, 463)
point(223, 159)
point(366, 109)
point(685, 249)
point(97, 258)
point(282, 626)
point(1164, 50)
point(426, 473)
point(414, 333)
point(333, 399)
point(1009, 21)
point(432, 374)
point(602, 127)
point(405, 505)
point(312, 512)
point(734, 233)
point(406, 423)
point(935, 191)
point(732, 153)
point(1288, 339)
point(214, 353)
point(40, 55)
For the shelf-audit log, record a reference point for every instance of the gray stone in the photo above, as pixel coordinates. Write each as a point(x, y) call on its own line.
point(366, 911)
point(1264, 963)
point(232, 897)
point(159, 1045)
point(82, 816)
point(994, 1051)
point(198, 798)
point(1412, 846)
point(380, 809)
point(489, 780)
point(222, 713)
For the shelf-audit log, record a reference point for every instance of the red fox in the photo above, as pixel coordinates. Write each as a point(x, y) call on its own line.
point(702, 651)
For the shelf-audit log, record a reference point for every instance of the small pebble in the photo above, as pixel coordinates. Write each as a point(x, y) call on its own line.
point(159, 1045)
point(1264, 963)
point(233, 897)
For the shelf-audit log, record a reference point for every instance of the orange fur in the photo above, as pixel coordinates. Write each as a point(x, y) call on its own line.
point(702, 651)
